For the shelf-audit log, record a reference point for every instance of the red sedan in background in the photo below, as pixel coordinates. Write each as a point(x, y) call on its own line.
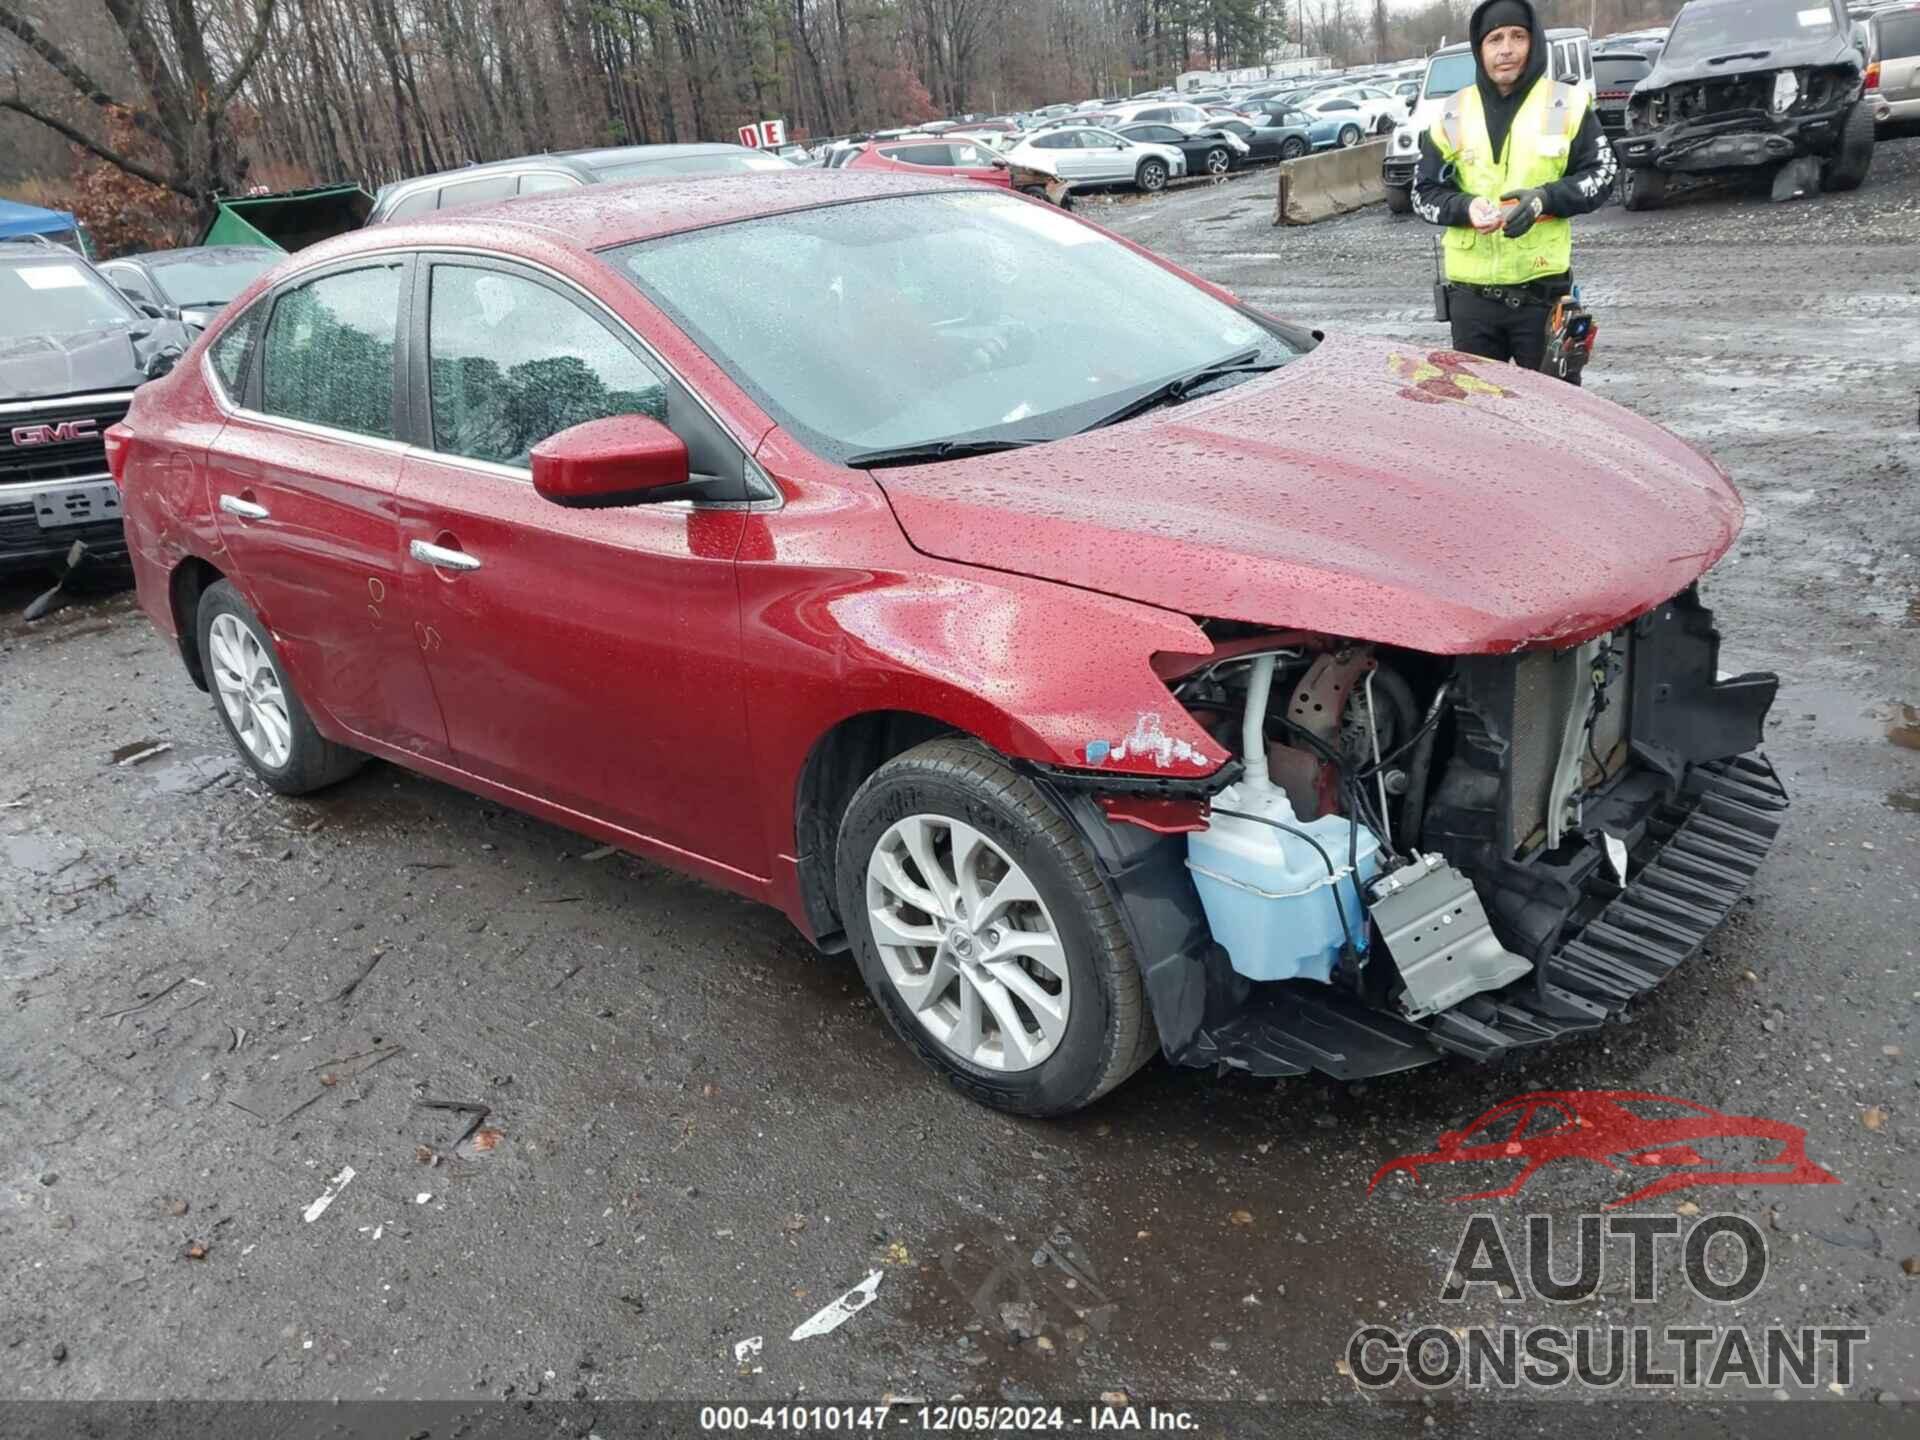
point(909, 555)
point(932, 154)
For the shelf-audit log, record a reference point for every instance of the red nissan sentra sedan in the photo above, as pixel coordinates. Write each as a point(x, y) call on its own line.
point(1111, 666)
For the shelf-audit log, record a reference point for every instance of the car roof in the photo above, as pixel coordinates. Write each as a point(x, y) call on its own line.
point(162, 257)
point(633, 154)
point(623, 212)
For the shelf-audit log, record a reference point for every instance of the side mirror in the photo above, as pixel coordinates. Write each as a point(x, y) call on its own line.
point(622, 460)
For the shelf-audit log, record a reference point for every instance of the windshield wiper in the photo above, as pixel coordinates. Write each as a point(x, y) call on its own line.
point(929, 451)
point(1171, 392)
point(1739, 55)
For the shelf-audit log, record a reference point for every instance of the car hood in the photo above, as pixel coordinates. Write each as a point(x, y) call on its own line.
point(1831, 48)
point(35, 367)
point(1424, 499)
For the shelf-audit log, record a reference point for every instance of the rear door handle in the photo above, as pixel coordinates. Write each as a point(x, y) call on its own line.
point(440, 557)
point(245, 509)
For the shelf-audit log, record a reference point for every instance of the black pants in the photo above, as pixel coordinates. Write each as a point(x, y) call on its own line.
point(1497, 330)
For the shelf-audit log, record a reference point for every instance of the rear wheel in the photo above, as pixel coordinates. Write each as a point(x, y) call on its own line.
point(1400, 199)
point(1292, 148)
point(1642, 189)
point(1349, 136)
point(1219, 160)
point(1848, 167)
point(256, 703)
point(1151, 176)
point(986, 933)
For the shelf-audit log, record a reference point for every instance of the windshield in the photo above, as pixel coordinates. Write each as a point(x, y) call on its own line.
point(1706, 28)
point(914, 319)
point(209, 279)
point(719, 162)
point(55, 296)
point(1449, 73)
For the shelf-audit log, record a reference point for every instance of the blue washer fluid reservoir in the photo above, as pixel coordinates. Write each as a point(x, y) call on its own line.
point(1269, 900)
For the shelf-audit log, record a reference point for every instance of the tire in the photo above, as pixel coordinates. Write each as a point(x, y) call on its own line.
point(1292, 148)
point(1642, 189)
point(1218, 160)
point(1349, 136)
point(1151, 176)
point(1848, 167)
point(1385, 127)
point(289, 755)
point(1400, 200)
point(1007, 823)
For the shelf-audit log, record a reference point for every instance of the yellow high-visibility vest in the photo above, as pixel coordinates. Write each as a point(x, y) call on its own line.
point(1536, 154)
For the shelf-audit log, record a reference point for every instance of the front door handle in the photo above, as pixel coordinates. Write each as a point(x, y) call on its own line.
point(245, 509)
point(440, 557)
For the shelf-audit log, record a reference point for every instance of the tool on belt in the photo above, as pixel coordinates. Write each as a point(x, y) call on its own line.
point(1571, 330)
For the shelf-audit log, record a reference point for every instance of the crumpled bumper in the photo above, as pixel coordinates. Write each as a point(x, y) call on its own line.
point(1701, 853)
point(1732, 142)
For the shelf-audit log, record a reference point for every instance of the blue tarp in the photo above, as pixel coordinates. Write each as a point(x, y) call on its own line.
point(18, 219)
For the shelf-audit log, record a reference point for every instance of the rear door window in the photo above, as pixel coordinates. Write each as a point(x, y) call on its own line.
point(420, 202)
point(328, 354)
point(477, 192)
point(541, 181)
point(920, 154)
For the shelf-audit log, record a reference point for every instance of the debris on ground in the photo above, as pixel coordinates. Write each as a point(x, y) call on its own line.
point(475, 1108)
point(346, 991)
point(831, 1317)
point(748, 1347)
point(1021, 1319)
point(332, 1193)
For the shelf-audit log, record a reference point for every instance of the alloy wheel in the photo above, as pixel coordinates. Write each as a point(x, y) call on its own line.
point(250, 690)
point(967, 943)
point(1217, 162)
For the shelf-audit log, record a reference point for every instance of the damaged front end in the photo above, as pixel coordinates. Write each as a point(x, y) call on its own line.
point(1739, 121)
point(1414, 856)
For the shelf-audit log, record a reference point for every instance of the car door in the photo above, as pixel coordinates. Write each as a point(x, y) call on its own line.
point(301, 477)
point(1063, 153)
point(1105, 156)
point(588, 658)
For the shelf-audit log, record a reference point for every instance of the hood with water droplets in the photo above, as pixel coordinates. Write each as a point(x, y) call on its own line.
point(1379, 492)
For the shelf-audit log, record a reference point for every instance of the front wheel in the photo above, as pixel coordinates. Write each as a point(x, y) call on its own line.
point(256, 703)
point(1349, 136)
point(1385, 127)
point(1847, 169)
point(1219, 160)
point(1400, 199)
point(986, 933)
point(1642, 189)
point(1151, 176)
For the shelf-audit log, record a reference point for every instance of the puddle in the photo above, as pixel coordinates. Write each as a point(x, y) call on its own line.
point(35, 854)
point(191, 774)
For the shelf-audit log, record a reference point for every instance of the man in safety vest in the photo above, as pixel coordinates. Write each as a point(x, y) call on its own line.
point(1511, 158)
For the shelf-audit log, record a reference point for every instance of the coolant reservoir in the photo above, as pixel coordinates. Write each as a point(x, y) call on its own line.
point(1270, 901)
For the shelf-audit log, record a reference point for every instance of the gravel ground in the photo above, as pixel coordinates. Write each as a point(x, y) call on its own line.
point(698, 1132)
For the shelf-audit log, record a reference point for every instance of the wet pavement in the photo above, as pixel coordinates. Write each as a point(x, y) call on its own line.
point(678, 1129)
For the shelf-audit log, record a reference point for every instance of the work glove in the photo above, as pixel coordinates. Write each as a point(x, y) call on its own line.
point(1533, 204)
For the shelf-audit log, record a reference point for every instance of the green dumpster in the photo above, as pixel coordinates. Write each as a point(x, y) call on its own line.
point(290, 220)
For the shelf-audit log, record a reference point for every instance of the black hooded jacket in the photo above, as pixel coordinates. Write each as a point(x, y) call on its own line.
point(1437, 196)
